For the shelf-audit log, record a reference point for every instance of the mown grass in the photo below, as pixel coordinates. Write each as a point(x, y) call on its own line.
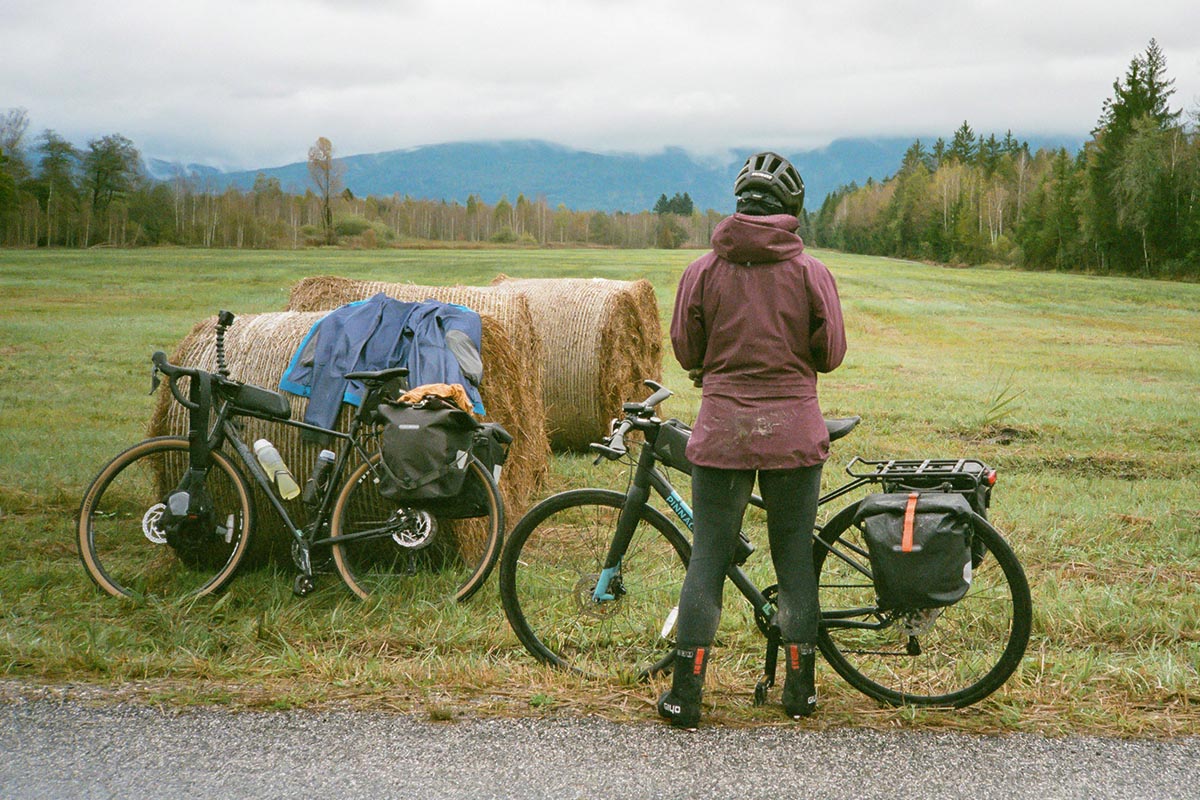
point(1081, 390)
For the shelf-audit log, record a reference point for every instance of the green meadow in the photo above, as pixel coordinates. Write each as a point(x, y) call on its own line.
point(1083, 391)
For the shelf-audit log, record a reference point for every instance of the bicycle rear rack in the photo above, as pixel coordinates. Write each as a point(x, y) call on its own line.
point(922, 471)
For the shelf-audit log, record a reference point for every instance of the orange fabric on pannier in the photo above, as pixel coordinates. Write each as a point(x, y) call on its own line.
point(919, 546)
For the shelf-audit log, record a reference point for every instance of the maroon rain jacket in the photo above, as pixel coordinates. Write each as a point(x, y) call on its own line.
point(762, 318)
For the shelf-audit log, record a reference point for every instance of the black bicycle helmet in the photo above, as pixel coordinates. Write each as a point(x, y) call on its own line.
point(772, 174)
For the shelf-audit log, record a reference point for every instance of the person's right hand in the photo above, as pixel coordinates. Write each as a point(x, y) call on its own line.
point(697, 376)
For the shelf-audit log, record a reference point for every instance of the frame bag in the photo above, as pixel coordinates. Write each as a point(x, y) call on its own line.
point(671, 445)
point(426, 449)
point(920, 547)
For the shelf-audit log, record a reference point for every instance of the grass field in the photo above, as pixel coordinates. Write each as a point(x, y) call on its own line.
point(1084, 392)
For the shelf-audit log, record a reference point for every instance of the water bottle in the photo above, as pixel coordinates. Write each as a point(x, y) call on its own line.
point(277, 471)
point(316, 481)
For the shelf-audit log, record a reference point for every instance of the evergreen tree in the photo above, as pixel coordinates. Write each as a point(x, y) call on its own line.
point(990, 153)
point(1143, 93)
point(916, 156)
point(939, 152)
point(962, 146)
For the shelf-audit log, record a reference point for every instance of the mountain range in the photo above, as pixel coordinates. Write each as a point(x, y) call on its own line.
point(577, 179)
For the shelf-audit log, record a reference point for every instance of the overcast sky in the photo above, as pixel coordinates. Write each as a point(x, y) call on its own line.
point(253, 83)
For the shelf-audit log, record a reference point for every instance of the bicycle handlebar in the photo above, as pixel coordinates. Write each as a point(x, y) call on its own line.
point(173, 373)
point(614, 446)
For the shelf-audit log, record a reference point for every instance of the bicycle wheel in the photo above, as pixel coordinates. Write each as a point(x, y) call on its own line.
point(952, 656)
point(551, 566)
point(385, 550)
point(122, 539)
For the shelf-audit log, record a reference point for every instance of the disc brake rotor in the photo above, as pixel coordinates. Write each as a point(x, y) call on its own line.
point(152, 523)
point(584, 588)
point(413, 529)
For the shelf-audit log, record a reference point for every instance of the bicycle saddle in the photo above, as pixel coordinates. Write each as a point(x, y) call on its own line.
point(840, 427)
point(378, 376)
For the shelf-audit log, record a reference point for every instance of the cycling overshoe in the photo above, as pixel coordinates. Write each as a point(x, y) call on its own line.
point(799, 685)
point(681, 705)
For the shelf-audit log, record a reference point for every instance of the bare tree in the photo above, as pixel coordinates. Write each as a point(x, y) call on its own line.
point(326, 175)
point(13, 124)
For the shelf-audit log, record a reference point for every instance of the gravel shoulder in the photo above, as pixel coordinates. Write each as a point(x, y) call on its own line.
point(76, 748)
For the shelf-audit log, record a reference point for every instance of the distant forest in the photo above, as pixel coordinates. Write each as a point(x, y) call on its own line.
point(1127, 203)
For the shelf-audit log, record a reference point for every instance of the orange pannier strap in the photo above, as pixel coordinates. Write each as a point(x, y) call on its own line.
point(910, 518)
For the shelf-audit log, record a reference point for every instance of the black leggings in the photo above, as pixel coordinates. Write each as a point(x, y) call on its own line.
point(719, 499)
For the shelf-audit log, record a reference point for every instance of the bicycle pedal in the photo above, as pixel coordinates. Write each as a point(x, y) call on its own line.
point(303, 585)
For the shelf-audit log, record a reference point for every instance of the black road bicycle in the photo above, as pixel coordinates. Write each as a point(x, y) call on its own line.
point(590, 579)
point(175, 516)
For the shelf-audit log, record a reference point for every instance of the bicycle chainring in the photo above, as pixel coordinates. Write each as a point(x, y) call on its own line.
point(761, 618)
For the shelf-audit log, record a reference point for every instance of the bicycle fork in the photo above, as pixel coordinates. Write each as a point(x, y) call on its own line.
point(608, 586)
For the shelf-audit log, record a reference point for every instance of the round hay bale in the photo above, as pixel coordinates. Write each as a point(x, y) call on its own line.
point(259, 347)
point(603, 338)
point(327, 292)
point(513, 360)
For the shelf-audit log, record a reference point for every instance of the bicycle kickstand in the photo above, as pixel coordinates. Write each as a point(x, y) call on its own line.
point(770, 662)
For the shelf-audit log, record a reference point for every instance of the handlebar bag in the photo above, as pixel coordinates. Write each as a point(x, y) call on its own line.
point(919, 545)
point(426, 449)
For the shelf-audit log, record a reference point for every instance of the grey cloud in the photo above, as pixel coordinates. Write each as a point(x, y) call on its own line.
point(253, 83)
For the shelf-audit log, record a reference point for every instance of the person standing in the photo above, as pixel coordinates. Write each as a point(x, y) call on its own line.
point(754, 321)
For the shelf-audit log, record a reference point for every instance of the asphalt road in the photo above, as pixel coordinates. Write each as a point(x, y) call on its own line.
point(55, 749)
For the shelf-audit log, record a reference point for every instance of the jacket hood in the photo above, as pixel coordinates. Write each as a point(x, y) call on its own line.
point(744, 239)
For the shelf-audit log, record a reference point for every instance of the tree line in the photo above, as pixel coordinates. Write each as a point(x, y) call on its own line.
point(1127, 203)
point(53, 194)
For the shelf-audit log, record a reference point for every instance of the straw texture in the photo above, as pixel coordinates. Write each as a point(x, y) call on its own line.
point(513, 359)
point(603, 338)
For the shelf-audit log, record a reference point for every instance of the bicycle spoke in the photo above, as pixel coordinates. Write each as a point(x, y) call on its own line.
point(949, 656)
point(550, 572)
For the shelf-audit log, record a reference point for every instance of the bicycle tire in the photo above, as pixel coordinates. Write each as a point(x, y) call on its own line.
point(549, 570)
point(453, 560)
point(970, 649)
point(122, 543)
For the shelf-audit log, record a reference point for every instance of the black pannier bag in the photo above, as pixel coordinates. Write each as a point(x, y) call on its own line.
point(920, 547)
point(426, 449)
point(490, 446)
point(671, 444)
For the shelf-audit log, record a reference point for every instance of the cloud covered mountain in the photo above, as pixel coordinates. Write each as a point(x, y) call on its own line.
point(577, 179)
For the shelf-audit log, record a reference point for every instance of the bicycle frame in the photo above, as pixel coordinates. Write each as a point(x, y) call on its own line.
point(647, 477)
point(225, 429)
